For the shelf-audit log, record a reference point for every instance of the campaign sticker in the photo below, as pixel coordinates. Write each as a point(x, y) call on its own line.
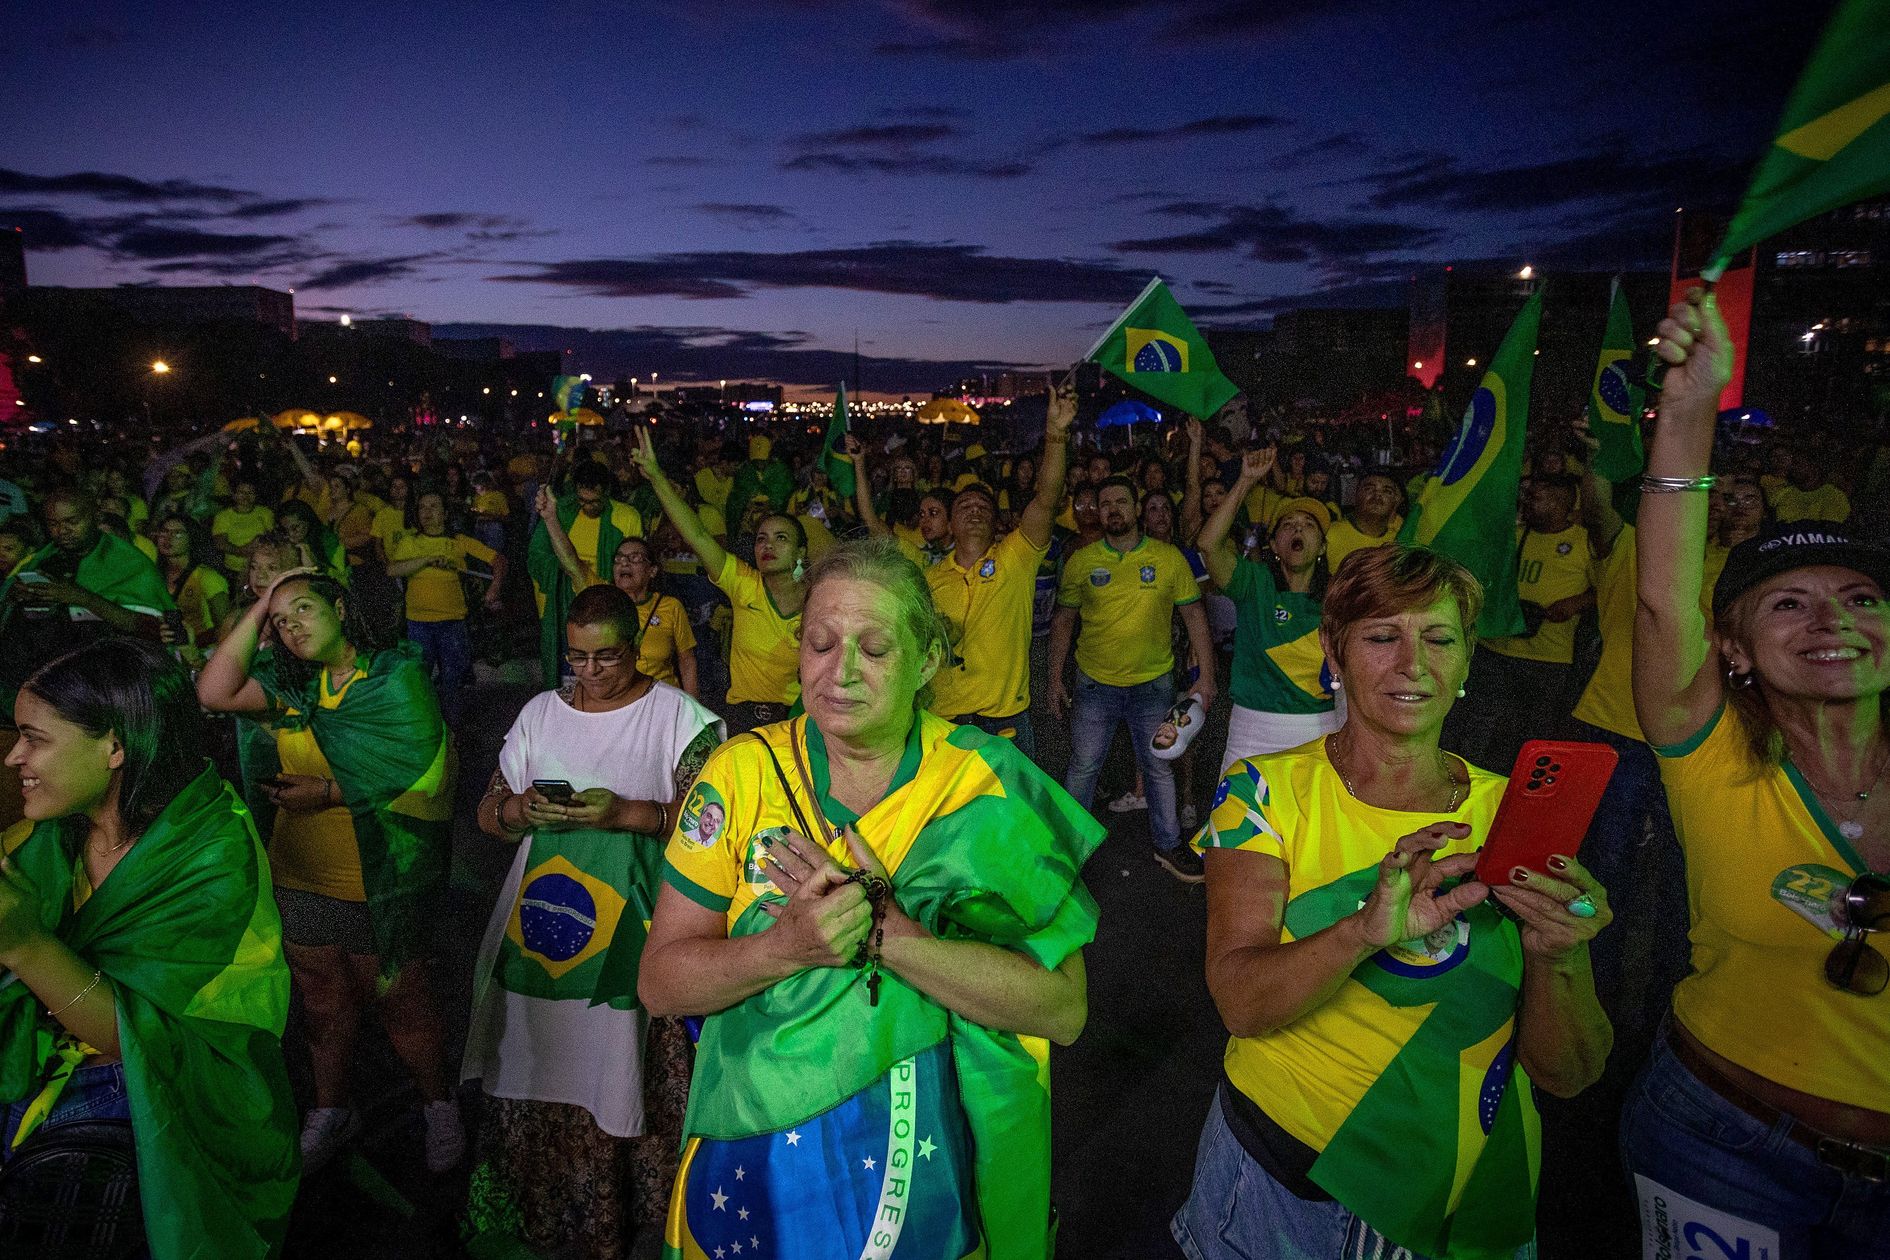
point(1815, 894)
point(1674, 1227)
point(702, 816)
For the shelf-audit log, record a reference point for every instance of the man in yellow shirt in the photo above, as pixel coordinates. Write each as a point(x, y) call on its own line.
point(237, 525)
point(1807, 494)
point(1125, 587)
point(1372, 522)
point(987, 590)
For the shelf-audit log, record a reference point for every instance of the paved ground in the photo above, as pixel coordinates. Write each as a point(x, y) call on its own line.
point(1129, 1096)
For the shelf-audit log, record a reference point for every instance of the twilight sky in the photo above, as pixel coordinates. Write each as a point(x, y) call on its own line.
point(733, 189)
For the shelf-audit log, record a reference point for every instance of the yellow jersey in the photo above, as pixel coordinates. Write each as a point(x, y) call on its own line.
point(1127, 601)
point(764, 654)
point(1548, 568)
point(666, 634)
point(317, 852)
point(988, 608)
point(435, 594)
point(1822, 503)
point(1345, 538)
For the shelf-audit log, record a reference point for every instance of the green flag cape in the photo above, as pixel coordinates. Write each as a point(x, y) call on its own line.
point(1154, 346)
point(119, 572)
point(997, 856)
point(1833, 144)
point(768, 479)
point(1467, 508)
point(555, 585)
point(393, 759)
point(1614, 400)
point(186, 932)
point(838, 467)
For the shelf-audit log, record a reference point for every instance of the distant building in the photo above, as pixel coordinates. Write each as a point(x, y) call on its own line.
point(186, 304)
point(475, 349)
point(415, 330)
point(12, 260)
point(1326, 360)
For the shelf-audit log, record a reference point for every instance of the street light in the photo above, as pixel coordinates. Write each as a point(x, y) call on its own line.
point(33, 358)
point(160, 367)
point(331, 380)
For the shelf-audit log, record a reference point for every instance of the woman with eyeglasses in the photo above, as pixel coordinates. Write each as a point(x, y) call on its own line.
point(666, 643)
point(766, 598)
point(1768, 1098)
point(587, 1091)
point(201, 592)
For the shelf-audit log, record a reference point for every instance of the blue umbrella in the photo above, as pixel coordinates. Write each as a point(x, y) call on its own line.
point(1128, 411)
point(1746, 417)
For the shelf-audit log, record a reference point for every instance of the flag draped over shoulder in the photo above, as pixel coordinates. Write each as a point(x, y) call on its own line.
point(187, 935)
point(393, 759)
point(838, 467)
point(1154, 346)
point(1614, 400)
point(980, 845)
point(1833, 144)
point(1467, 509)
point(618, 522)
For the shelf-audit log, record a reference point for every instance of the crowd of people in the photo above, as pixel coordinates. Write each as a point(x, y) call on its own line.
point(796, 909)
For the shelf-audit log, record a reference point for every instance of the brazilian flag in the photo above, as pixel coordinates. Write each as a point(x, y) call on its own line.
point(187, 936)
point(1467, 509)
point(1614, 400)
point(833, 461)
point(1154, 346)
point(1833, 145)
point(568, 392)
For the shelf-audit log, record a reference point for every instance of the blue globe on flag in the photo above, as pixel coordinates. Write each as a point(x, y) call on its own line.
point(557, 917)
point(1473, 435)
point(1157, 356)
point(1616, 394)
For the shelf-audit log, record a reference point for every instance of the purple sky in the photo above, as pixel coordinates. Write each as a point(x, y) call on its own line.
point(969, 183)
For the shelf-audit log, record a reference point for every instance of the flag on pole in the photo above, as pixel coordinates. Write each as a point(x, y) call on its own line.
point(833, 459)
point(1614, 400)
point(1833, 145)
point(1154, 346)
point(568, 392)
point(1467, 509)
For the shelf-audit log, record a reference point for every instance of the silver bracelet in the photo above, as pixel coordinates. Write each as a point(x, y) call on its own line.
point(97, 975)
point(1651, 484)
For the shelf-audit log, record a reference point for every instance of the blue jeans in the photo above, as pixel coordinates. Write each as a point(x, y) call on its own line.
point(91, 1093)
point(1677, 1131)
point(446, 647)
point(1099, 709)
point(1237, 1211)
point(1016, 728)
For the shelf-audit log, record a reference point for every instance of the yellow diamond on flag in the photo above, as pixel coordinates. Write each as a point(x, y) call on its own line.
point(563, 917)
point(1152, 350)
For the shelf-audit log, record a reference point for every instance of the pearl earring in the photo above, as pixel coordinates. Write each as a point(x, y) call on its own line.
point(1338, 684)
point(1460, 693)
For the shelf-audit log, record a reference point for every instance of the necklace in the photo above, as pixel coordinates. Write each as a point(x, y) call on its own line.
point(1443, 763)
point(1849, 827)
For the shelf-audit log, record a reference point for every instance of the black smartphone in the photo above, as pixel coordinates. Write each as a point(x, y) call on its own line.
point(557, 791)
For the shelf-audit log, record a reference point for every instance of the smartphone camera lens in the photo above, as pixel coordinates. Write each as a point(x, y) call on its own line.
point(1542, 761)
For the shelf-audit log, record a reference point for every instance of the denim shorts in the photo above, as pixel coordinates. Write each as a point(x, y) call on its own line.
point(96, 1092)
point(1237, 1211)
point(1679, 1132)
point(313, 920)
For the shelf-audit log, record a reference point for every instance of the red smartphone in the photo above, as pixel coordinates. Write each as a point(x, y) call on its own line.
point(1552, 796)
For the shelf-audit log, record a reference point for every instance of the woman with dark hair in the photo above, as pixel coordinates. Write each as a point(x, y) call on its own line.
point(197, 586)
point(586, 1090)
point(360, 845)
point(321, 550)
point(881, 916)
point(135, 911)
point(766, 599)
point(431, 560)
point(1283, 694)
point(666, 643)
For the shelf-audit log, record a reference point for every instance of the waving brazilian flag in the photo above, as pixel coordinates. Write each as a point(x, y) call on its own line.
point(1614, 400)
point(568, 392)
point(1833, 145)
point(1467, 509)
point(1154, 346)
point(838, 467)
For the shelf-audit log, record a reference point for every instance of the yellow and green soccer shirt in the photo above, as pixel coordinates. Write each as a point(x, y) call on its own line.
point(241, 528)
point(1415, 1050)
point(1127, 601)
point(1549, 567)
point(666, 635)
point(436, 594)
point(1345, 538)
point(764, 654)
point(988, 608)
point(1279, 665)
point(1765, 867)
point(1822, 503)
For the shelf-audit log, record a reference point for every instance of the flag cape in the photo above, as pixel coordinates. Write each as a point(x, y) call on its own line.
point(838, 467)
point(980, 845)
point(555, 585)
point(117, 571)
point(568, 392)
point(1614, 400)
point(1467, 508)
point(187, 935)
point(1833, 144)
point(393, 759)
point(1154, 346)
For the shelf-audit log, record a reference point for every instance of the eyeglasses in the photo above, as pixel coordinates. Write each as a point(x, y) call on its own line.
point(1855, 965)
point(603, 660)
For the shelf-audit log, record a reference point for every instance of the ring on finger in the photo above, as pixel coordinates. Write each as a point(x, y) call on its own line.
point(1582, 907)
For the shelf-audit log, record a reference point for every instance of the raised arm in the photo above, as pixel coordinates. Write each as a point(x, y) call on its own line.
point(1217, 551)
point(1599, 518)
point(1676, 681)
point(225, 685)
point(546, 506)
point(1191, 497)
point(863, 486)
point(1040, 514)
point(681, 515)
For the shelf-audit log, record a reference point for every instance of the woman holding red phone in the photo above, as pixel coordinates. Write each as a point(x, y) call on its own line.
point(1767, 1101)
point(1386, 1020)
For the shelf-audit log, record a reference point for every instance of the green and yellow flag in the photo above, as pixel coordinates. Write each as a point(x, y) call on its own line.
point(833, 460)
point(1154, 346)
point(1833, 145)
point(1467, 509)
point(1614, 400)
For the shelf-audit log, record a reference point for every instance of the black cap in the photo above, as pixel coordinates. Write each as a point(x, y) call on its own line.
point(1796, 545)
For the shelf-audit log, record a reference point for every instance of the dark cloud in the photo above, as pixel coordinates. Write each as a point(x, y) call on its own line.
point(957, 273)
point(444, 219)
point(365, 271)
point(111, 187)
point(91, 35)
point(748, 214)
point(709, 353)
point(1244, 19)
point(947, 113)
point(1274, 234)
point(955, 48)
point(882, 136)
point(1219, 125)
point(277, 208)
point(157, 243)
point(1606, 172)
point(1342, 145)
point(48, 229)
point(995, 30)
point(905, 164)
point(679, 160)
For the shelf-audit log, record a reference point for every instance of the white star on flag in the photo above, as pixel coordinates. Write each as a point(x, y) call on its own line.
point(793, 1138)
point(742, 1212)
point(721, 1200)
point(740, 1172)
point(735, 1247)
point(867, 1163)
point(754, 1242)
point(719, 1253)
